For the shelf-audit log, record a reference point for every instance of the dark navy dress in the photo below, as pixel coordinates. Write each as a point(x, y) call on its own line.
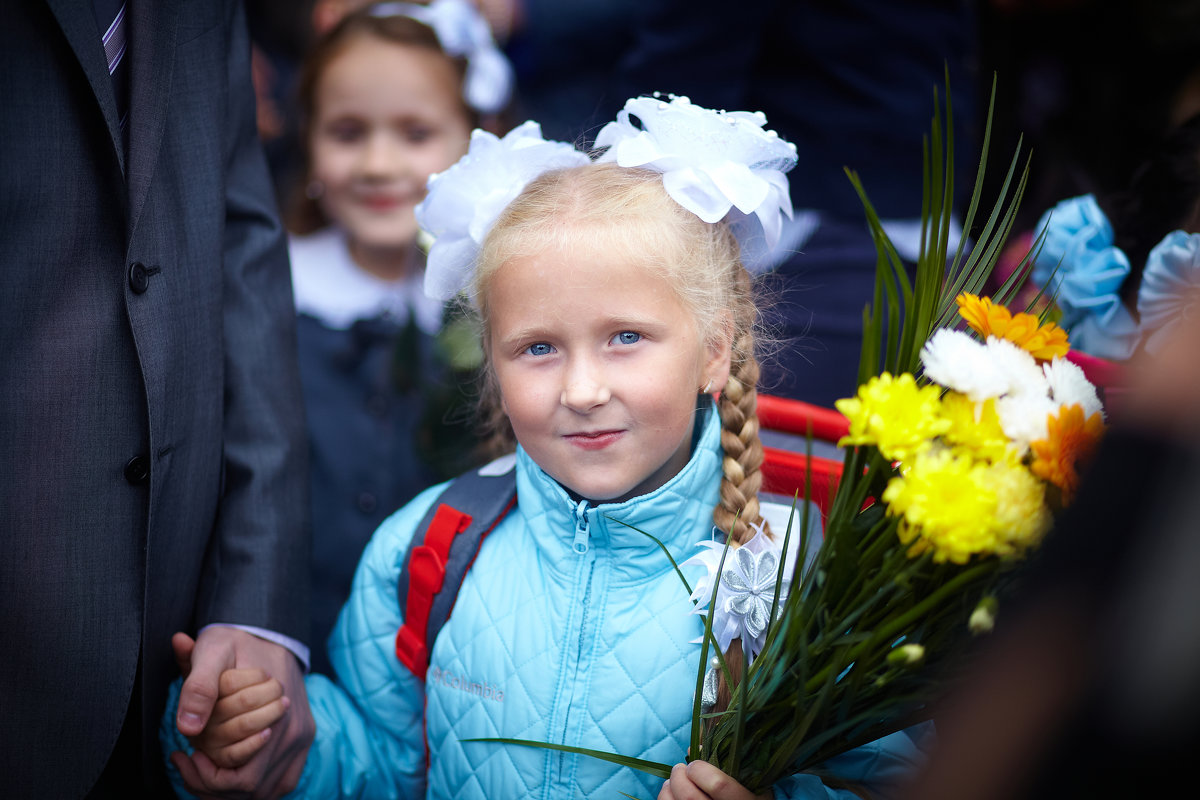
point(380, 404)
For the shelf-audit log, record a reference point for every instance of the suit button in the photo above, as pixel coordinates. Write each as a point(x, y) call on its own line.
point(137, 470)
point(139, 277)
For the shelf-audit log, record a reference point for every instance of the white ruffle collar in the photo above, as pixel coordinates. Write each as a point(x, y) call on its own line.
point(328, 285)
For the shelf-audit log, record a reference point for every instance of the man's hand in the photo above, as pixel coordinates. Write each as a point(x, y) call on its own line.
point(275, 769)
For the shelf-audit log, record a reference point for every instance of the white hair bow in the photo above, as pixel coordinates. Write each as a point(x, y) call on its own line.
point(464, 201)
point(711, 161)
point(462, 31)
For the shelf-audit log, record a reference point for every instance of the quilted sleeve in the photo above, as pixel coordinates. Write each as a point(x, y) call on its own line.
point(370, 740)
point(886, 763)
point(370, 724)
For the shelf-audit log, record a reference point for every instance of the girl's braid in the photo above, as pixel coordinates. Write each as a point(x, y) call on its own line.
point(738, 509)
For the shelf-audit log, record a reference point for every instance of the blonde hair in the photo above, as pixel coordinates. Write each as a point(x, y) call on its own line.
point(628, 213)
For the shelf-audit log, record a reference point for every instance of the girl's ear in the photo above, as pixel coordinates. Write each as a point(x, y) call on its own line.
point(719, 353)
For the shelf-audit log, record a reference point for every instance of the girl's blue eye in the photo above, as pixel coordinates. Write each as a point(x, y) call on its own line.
point(539, 349)
point(627, 337)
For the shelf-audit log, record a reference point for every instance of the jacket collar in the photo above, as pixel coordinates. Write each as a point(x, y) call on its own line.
point(78, 25)
point(152, 27)
point(152, 36)
point(678, 513)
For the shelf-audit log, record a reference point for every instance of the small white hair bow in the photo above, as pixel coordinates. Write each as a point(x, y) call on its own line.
point(462, 31)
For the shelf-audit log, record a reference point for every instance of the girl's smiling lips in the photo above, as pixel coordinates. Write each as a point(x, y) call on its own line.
point(594, 440)
point(381, 202)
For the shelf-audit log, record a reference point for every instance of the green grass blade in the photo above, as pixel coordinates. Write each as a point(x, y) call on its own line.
point(697, 725)
point(661, 546)
point(641, 765)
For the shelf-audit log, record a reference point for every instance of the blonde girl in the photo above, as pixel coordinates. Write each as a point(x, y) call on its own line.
point(614, 306)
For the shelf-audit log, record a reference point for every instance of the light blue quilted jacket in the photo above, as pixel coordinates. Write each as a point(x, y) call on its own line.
point(570, 628)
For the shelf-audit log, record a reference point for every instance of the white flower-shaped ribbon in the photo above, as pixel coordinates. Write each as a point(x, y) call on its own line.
point(1169, 285)
point(746, 591)
point(464, 201)
point(711, 161)
point(462, 31)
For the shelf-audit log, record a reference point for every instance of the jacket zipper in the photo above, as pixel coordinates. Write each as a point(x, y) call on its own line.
point(580, 545)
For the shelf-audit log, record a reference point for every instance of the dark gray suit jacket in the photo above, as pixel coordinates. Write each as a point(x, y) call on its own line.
point(152, 466)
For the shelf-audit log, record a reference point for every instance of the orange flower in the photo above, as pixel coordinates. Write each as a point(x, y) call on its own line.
point(1041, 341)
point(1071, 441)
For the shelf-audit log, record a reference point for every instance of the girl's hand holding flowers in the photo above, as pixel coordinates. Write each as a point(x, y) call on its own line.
point(700, 780)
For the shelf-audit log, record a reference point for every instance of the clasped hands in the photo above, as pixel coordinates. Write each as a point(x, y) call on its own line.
point(244, 708)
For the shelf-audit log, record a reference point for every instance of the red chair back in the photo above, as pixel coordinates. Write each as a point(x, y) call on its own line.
point(784, 471)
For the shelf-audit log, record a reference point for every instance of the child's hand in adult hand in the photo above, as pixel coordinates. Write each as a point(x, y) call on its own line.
point(700, 780)
point(248, 703)
point(272, 771)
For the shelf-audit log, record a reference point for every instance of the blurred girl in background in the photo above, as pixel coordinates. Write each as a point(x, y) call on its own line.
point(388, 97)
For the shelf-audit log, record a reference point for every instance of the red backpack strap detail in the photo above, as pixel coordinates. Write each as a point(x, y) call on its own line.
point(426, 575)
point(443, 548)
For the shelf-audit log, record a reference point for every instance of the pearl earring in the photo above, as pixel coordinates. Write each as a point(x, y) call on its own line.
point(707, 387)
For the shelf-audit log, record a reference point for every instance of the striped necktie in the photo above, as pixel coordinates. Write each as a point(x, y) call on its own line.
point(110, 16)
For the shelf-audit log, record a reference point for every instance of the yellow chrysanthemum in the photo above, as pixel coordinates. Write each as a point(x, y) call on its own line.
point(894, 414)
point(1071, 441)
point(946, 505)
point(1041, 341)
point(976, 428)
point(1021, 517)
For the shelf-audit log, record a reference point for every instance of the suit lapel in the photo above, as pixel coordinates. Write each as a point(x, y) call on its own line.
point(153, 27)
point(78, 24)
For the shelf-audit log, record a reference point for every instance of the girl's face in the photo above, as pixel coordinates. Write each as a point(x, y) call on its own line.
point(386, 116)
point(600, 366)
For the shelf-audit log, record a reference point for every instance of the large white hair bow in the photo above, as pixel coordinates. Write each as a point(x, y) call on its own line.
point(462, 31)
point(711, 161)
point(464, 201)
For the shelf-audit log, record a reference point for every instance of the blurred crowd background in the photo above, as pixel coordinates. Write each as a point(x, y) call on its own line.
point(1090, 85)
point(1087, 89)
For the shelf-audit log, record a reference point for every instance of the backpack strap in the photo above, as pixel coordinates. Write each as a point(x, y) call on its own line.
point(443, 548)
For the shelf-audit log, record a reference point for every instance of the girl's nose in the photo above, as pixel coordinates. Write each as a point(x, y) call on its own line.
point(381, 156)
point(585, 388)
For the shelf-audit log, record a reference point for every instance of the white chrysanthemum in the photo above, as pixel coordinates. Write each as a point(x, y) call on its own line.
point(1024, 417)
point(746, 591)
point(711, 161)
point(464, 201)
point(957, 361)
point(1069, 386)
point(1021, 373)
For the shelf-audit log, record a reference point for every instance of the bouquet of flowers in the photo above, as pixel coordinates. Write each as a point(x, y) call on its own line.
point(965, 437)
point(964, 441)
